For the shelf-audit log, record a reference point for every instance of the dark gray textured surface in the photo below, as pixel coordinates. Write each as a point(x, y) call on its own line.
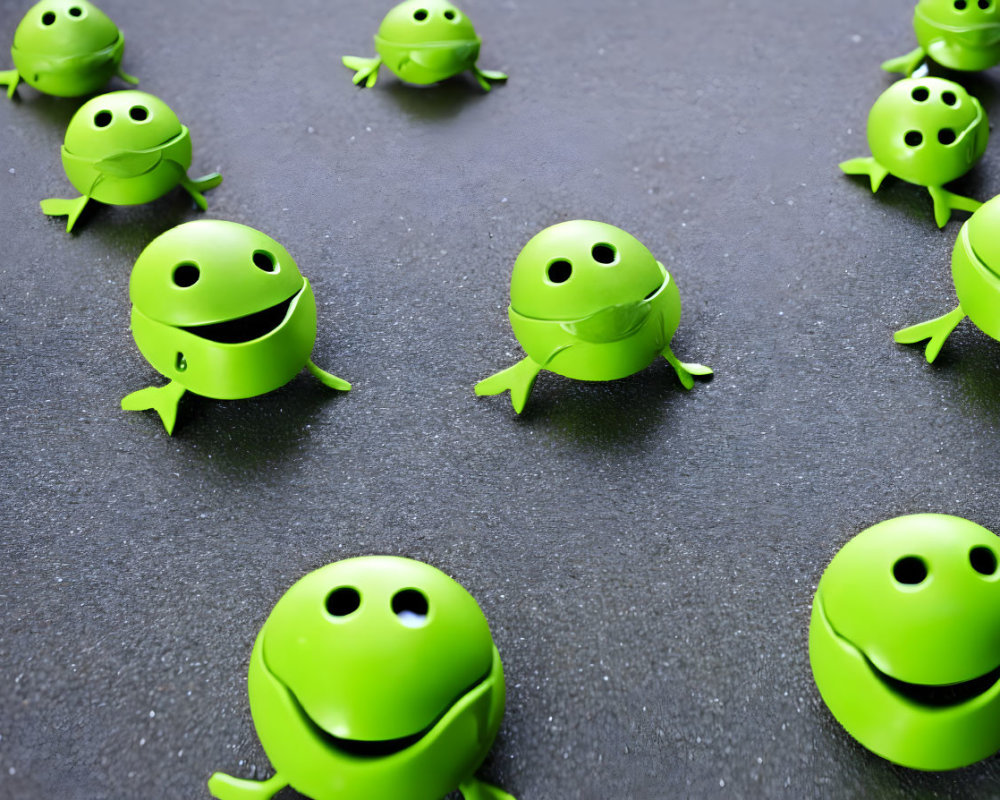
point(646, 556)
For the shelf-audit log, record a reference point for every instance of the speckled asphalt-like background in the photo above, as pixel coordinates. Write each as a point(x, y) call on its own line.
point(646, 556)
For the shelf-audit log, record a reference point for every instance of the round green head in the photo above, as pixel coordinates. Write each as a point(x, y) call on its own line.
point(959, 34)
point(426, 41)
point(376, 677)
point(905, 640)
point(975, 267)
point(222, 309)
point(66, 47)
point(927, 131)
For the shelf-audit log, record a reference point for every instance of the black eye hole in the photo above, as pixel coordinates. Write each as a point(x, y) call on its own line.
point(186, 275)
point(102, 119)
point(604, 254)
point(948, 98)
point(343, 601)
point(983, 560)
point(76, 12)
point(913, 138)
point(984, 4)
point(139, 113)
point(48, 18)
point(420, 14)
point(559, 271)
point(265, 261)
point(946, 136)
point(410, 606)
point(910, 570)
point(960, 5)
point(449, 15)
point(920, 94)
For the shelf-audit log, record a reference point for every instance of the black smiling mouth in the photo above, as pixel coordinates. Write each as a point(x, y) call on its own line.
point(244, 329)
point(939, 696)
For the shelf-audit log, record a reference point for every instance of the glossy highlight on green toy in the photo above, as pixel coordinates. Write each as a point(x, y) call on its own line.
point(374, 677)
point(589, 301)
point(65, 48)
point(423, 42)
point(927, 131)
point(123, 149)
point(222, 311)
point(904, 640)
point(975, 269)
point(957, 34)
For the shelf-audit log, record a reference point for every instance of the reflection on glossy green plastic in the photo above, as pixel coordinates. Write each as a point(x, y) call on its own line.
point(123, 149)
point(374, 677)
point(975, 269)
point(904, 640)
point(927, 131)
point(590, 302)
point(422, 42)
point(65, 48)
point(222, 311)
point(957, 34)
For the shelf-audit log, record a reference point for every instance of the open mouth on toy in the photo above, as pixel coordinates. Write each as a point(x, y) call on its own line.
point(939, 696)
point(379, 748)
point(247, 328)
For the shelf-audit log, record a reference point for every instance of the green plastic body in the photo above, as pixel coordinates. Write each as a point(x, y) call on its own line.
point(377, 702)
point(909, 662)
point(966, 39)
point(66, 48)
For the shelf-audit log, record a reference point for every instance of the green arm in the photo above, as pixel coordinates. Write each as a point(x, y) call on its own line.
point(866, 166)
point(484, 76)
point(126, 77)
point(937, 330)
point(71, 209)
point(10, 78)
point(366, 69)
point(945, 202)
point(163, 399)
point(327, 379)
point(519, 379)
point(474, 789)
point(226, 787)
point(685, 372)
point(905, 64)
point(195, 187)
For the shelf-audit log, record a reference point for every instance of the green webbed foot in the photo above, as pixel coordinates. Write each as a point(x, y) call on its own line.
point(945, 202)
point(366, 69)
point(518, 379)
point(937, 330)
point(907, 64)
point(474, 789)
point(485, 76)
point(195, 187)
point(327, 379)
point(71, 209)
point(163, 399)
point(226, 787)
point(10, 78)
point(126, 77)
point(685, 372)
point(866, 166)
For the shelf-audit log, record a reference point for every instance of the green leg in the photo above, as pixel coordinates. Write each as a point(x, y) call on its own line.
point(71, 209)
point(945, 202)
point(937, 330)
point(162, 399)
point(126, 77)
point(474, 789)
point(10, 78)
point(226, 787)
point(195, 187)
point(905, 64)
point(685, 372)
point(485, 76)
point(866, 166)
point(519, 379)
point(327, 379)
point(366, 69)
